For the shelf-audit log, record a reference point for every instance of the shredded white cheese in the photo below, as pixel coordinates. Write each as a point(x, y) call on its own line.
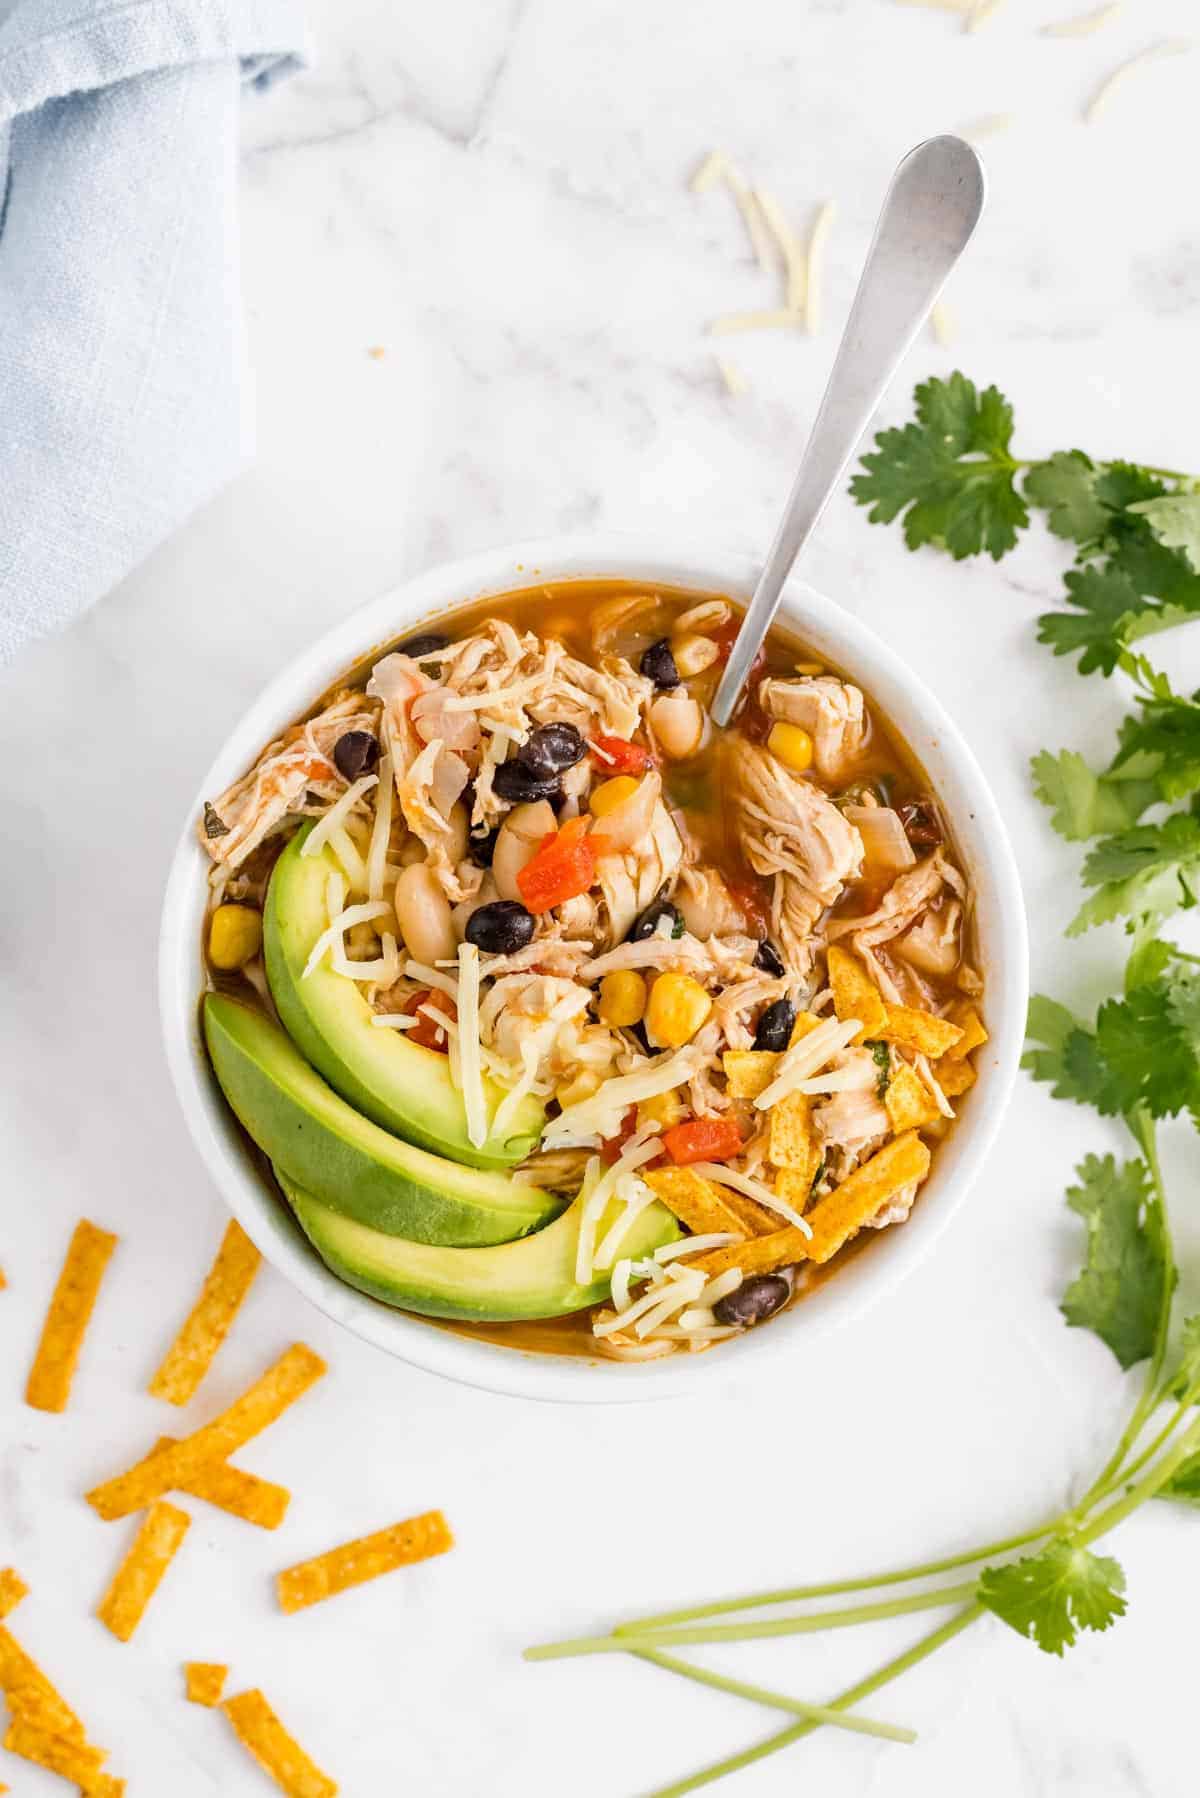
point(815, 267)
point(468, 1044)
point(342, 918)
point(695, 1245)
point(337, 814)
point(790, 248)
point(710, 172)
point(688, 1287)
point(1107, 88)
point(732, 377)
point(718, 1288)
point(640, 1148)
point(349, 859)
point(1084, 24)
point(419, 970)
point(941, 322)
point(637, 1196)
point(752, 218)
point(602, 1114)
point(779, 318)
point(808, 1057)
point(990, 125)
point(753, 1189)
point(381, 829)
point(980, 13)
point(394, 1020)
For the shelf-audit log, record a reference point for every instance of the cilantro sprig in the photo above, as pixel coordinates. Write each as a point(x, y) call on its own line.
point(952, 478)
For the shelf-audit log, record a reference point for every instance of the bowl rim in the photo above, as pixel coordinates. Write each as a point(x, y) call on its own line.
point(979, 832)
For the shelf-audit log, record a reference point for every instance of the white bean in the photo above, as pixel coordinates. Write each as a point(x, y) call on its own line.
point(520, 834)
point(677, 721)
point(457, 827)
point(423, 914)
point(693, 654)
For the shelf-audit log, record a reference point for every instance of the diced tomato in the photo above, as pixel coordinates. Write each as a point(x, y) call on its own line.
point(750, 898)
point(619, 756)
point(425, 1033)
point(702, 1139)
point(611, 1147)
point(563, 867)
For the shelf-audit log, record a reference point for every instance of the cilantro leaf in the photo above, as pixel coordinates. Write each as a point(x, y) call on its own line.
point(1121, 485)
point(1183, 1487)
point(1104, 601)
point(1084, 804)
point(1144, 874)
point(950, 472)
point(1187, 1373)
point(1161, 746)
point(1175, 521)
point(1049, 1597)
point(1149, 1046)
point(1064, 486)
point(1066, 1059)
point(1119, 1294)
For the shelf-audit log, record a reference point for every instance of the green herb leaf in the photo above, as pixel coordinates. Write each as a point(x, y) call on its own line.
point(1187, 1373)
point(1119, 1294)
point(1159, 750)
point(1084, 804)
point(1066, 1059)
point(1106, 603)
point(882, 1057)
point(1064, 486)
point(1143, 874)
point(1049, 1597)
point(950, 473)
point(1149, 1047)
point(1175, 521)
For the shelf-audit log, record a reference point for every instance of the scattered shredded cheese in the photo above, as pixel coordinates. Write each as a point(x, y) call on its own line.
point(602, 753)
point(733, 378)
point(711, 171)
point(756, 228)
point(815, 267)
point(640, 1148)
point(688, 1288)
point(394, 1020)
point(694, 1245)
point(381, 829)
point(1084, 24)
point(717, 1289)
point(332, 939)
point(790, 248)
point(980, 13)
point(808, 1057)
point(349, 859)
point(753, 1189)
point(637, 1197)
point(602, 1114)
point(1104, 93)
point(337, 814)
point(990, 125)
point(445, 983)
point(941, 321)
point(780, 319)
point(468, 1044)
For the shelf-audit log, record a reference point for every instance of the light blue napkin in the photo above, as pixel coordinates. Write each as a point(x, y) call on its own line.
point(122, 403)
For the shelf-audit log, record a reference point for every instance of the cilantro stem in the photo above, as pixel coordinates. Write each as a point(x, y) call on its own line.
point(814, 1713)
point(1172, 1424)
point(863, 1688)
point(752, 1632)
point(1145, 1488)
point(868, 1582)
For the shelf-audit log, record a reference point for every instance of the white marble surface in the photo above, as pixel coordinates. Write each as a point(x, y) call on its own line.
point(494, 193)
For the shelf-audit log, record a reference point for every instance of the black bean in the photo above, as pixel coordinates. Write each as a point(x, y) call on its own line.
point(551, 749)
point(768, 960)
point(355, 753)
point(775, 1026)
point(647, 924)
point(515, 782)
point(755, 1299)
point(427, 644)
point(920, 822)
point(481, 846)
point(214, 824)
point(500, 928)
point(658, 664)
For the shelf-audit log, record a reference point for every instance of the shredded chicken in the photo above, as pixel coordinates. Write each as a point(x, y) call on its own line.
point(629, 881)
point(428, 790)
point(788, 829)
point(832, 713)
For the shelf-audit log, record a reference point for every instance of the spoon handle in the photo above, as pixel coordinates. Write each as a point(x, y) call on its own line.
point(928, 215)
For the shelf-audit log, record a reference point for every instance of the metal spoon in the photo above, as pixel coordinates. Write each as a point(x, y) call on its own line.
point(930, 211)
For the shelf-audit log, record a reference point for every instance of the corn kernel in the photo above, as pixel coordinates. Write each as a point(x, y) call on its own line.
point(791, 746)
point(581, 1086)
point(664, 1109)
point(622, 999)
point(612, 793)
point(677, 1007)
point(234, 936)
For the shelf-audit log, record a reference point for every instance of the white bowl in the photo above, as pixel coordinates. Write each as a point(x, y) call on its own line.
point(834, 635)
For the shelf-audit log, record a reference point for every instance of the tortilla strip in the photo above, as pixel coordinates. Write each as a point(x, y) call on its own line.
point(232, 1489)
point(58, 1754)
point(752, 1218)
point(49, 1384)
point(278, 1753)
point(694, 1200)
point(963, 1013)
point(29, 1692)
point(417, 1539)
point(955, 1077)
point(12, 1590)
point(790, 1141)
point(748, 1072)
point(855, 994)
point(175, 1467)
point(920, 1031)
point(205, 1681)
point(761, 1256)
point(908, 1101)
point(191, 1354)
point(137, 1578)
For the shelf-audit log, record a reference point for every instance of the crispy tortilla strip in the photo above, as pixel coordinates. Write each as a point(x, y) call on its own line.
point(790, 1141)
point(49, 1384)
point(12, 1590)
point(271, 1394)
point(920, 1031)
point(955, 1077)
point(805, 1022)
point(855, 994)
point(278, 1753)
point(137, 1578)
point(964, 1014)
point(694, 1200)
point(748, 1072)
point(232, 1489)
point(31, 1694)
point(417, 1539)
point(190, 1355)
point(836, 1217)
point(58, 1754)
point(795, 1186)
point(205, 1681)
point(908, 1101)
point(752, 1218)
point(762, 1256)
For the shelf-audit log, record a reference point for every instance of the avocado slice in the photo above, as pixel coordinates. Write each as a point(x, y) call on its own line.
point(398, 1084)
point(344, 1160)
point(531, 1278)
